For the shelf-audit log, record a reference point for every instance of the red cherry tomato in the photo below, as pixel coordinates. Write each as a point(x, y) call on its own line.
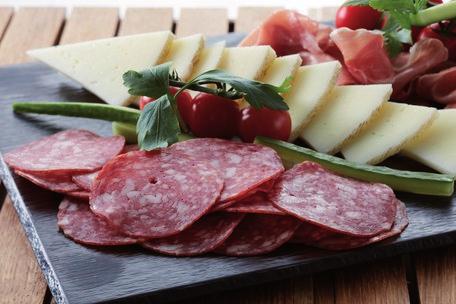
point(214, 116)
point(264, 122)
point(356, 17)
point(184, 103)
point(445, 32)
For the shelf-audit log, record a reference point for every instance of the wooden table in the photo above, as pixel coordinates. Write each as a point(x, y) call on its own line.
point(426, 277)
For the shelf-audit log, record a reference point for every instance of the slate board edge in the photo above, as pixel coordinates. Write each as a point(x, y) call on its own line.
point(31, 233)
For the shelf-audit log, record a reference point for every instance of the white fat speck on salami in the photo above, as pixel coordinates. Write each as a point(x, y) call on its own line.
point(86, 180)
point(318, 237)
point(154, 194)
point(256, 203)
point(202, 237)
point(57, 182)
point(79, 223)
point(244, 167)
point(259, 234)
point(70, 151)
point(315, 195)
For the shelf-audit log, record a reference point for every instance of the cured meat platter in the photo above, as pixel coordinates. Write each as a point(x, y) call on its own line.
point(84, 274)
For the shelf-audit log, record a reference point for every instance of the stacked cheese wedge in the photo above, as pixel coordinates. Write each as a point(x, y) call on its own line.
point(357, 121)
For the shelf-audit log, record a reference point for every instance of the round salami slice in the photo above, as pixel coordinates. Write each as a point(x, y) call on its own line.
point(202, 237)
point(257, 203)
point(318, 237)
point(79, 223)
point(86, 180)
point(57, 182)
point(70, 151)
point(259, 234)
point(343, 205)
point(243, 166)
point(154, 194)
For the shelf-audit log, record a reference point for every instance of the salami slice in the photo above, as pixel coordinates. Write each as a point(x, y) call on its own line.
point(243, 166)
point(343, 205)
point(58, 182)
point(80, 194)
point(70, 151)
point(86, 180)
point(202, 237)
point(318, 237)
point(80, 224)
point(129, 148)
point(257, 203)
point(259, 234)
point(154, 194)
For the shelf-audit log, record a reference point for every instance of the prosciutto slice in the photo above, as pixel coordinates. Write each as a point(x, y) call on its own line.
point(440, 87)
point(364, 56)
point(289, 32)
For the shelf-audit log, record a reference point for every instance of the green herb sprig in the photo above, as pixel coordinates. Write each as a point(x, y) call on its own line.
point(160, 123)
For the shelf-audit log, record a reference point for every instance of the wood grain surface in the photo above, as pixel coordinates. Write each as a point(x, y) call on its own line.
point(30, 28)
point(90, 23)
point(210, 22)
point(142, 20)
point(20, 278)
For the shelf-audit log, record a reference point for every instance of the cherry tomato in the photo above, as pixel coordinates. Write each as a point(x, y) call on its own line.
point(264, 122)
point(356, 17)
point(445, 32)
point(184, 103)
point(214, 116)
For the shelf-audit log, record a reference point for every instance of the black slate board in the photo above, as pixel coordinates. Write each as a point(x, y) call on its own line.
point(78, 274)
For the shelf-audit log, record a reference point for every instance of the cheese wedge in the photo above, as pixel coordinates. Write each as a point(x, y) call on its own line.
point(436, 147)
point(310, 88)
point(248, 62)
point(281, 69)
point(395, 126)
point(99, 65)
point(184, 52)
point(347, 110)
point(209, 58)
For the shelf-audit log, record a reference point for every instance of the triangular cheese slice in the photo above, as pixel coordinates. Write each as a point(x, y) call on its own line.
point(311, 86)
point(348, 108)
point(209, 59)
point(436, 147)
point(99, 65)
point(395, 126)
point(184, 52)
point(280, 69)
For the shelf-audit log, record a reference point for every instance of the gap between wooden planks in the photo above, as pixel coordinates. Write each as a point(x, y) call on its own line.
point(372, 283)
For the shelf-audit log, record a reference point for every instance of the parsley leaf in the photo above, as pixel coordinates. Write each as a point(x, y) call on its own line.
point(157, 125)
point(153, 82)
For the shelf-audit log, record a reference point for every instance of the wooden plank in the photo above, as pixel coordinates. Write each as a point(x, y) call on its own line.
point(143, 20)
point(21, 280)
point(436, 275)
point(90, 23)
point(5, 16)
point(30, 28)
point(379, 282)
point(323, 288)
point(210, 21)
point(250, 17)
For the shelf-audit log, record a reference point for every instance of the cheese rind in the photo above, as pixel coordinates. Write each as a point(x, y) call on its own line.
point(209, 58)
point(436, 147)
point(99, 65)
point(248, 62)
point(183, 53)
point(310, 88)
point(348, 108)
point(395, 126)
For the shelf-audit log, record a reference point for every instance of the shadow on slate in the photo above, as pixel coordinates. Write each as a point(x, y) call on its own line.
point(78, 274)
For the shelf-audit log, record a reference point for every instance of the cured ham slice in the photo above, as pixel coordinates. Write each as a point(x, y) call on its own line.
point(424, 55)
point(289, 32)
point(440, 87)
point(364, 56)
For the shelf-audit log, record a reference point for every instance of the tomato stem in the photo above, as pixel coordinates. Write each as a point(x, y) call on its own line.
point(434, 14)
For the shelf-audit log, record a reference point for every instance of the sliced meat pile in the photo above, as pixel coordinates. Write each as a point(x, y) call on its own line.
point(203, 196)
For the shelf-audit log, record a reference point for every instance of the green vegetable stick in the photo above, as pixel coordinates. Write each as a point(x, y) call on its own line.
point(444, 11)
point(408, 181)
point(80, 109)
